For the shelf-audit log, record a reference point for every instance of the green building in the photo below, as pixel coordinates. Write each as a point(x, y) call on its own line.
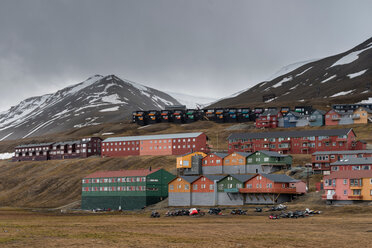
point(268, 162)
point(125, 189)
point(228, 189)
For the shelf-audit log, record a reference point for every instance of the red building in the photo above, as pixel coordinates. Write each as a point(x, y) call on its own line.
point(296, 142)
point(268, 119)
point(352, 164)
point(321, 161)
point(214, 159)
point(162, 144)
point(61, 150)
point(335, 117)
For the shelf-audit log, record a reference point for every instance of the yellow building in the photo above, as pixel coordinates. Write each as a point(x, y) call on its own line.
point(185, 160)
point(361, 115)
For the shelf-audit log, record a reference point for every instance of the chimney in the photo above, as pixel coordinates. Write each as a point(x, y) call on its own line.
point(150, 168)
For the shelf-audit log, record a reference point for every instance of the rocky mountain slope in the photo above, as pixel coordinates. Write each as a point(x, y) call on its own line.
point(345, 77)
point(97, 100)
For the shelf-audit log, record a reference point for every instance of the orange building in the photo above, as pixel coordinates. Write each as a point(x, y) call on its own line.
point(362, 115)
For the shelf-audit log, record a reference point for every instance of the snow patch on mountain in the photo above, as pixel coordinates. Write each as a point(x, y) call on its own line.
point(110, 109)
point(286, 79)
point(328, 79)
point(349, 58)
point(342, 93)
point(357, 74)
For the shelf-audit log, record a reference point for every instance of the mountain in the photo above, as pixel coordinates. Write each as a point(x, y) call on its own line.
point(345, 77)
point(192, 102)
point(97, 100)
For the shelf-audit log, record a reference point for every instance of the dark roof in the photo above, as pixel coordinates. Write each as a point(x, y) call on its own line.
point(242, 178)
point(322, 112)
point(214, 177)
point(270, 112)
point(121, 173)
point(366, 109)
point(342, 152)
point(296, 114)
point(273, 154)
point(353, 161)
point(190, 179)
point(244, 154)
point(221, 154)
point(292, 134)
point(35, 145)
point(345, 174)
point(68, 142)
point(279, 178)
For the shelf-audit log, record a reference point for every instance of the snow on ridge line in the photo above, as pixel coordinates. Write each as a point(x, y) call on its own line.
point(357, 74)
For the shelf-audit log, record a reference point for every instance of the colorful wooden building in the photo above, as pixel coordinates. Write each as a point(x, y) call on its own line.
point(296, 142)
point(190, 163)
point(235, 163)
point(228, 189)
point(267, 162)
point(162, 144)
point(269, 189)
point(321, 161)
point(180, 190)
point(347, 187)
point(268, 119)
point(125, 189)
point(317, 118)
point(204, 191)
point(213, 163)
point(349, 164)
point(362, 115)
point(289, 119)
point(335, 117)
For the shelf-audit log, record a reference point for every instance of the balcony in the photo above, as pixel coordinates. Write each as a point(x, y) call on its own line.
point(271, 190)
point(329, 197)
point(355, 197)
point(232, 190)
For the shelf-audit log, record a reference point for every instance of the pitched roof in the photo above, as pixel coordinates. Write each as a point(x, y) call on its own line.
point(291, 134)
point(34, 145)
point(67, 142)
point(279, 178)
point(190, 179)
point(244, 154)
point(273, 154)
point(342, 152)
point(270, 112)
point(214, 177)
point(296, 114)
point(346, 174)
point(365, 109)
point(353, 161)
point(121, 173)
point(221, 154)
point(242, 178)
point(151, 137)
point(322, 112)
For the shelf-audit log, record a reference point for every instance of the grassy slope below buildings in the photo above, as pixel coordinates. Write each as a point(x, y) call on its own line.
point(56, 183)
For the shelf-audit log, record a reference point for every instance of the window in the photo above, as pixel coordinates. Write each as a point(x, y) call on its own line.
point(220, 186)
point(345, 192)
point(238, 185)
point(195, 187)
point(211, 187)
point(179, 186)
point(356, 191)
point(266, 159)
point(187, 187)
point(249, 186)
point(345, 181)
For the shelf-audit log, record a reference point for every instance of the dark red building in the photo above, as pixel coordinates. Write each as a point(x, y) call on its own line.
point(268, 119)
point(162, 144)
point(296, 142)
point(61, 150)
point(321, 161)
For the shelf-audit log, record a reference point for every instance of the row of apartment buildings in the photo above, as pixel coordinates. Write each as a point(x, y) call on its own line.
point(58, 150)
point(273, 118)
point(296, 142)
point(212, 190)
point(198, 163)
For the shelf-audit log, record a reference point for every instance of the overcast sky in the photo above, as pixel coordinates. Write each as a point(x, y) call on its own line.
point(215, 48)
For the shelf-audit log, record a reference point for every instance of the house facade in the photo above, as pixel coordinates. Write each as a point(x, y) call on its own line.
point(334, 117)
point(235, 163)
point(180, 191)
point(267, 162)
point(163, 144)
point(352, 164)
point(228, 189)
point(321, 161)
point(317, 118)
point(268, 189)
point(213, 163)
point(296, 142)
point(362, 115)
point(190, 163)
point(347, 187)
point(268, 119)
point(126, 189)
point(83, 148)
